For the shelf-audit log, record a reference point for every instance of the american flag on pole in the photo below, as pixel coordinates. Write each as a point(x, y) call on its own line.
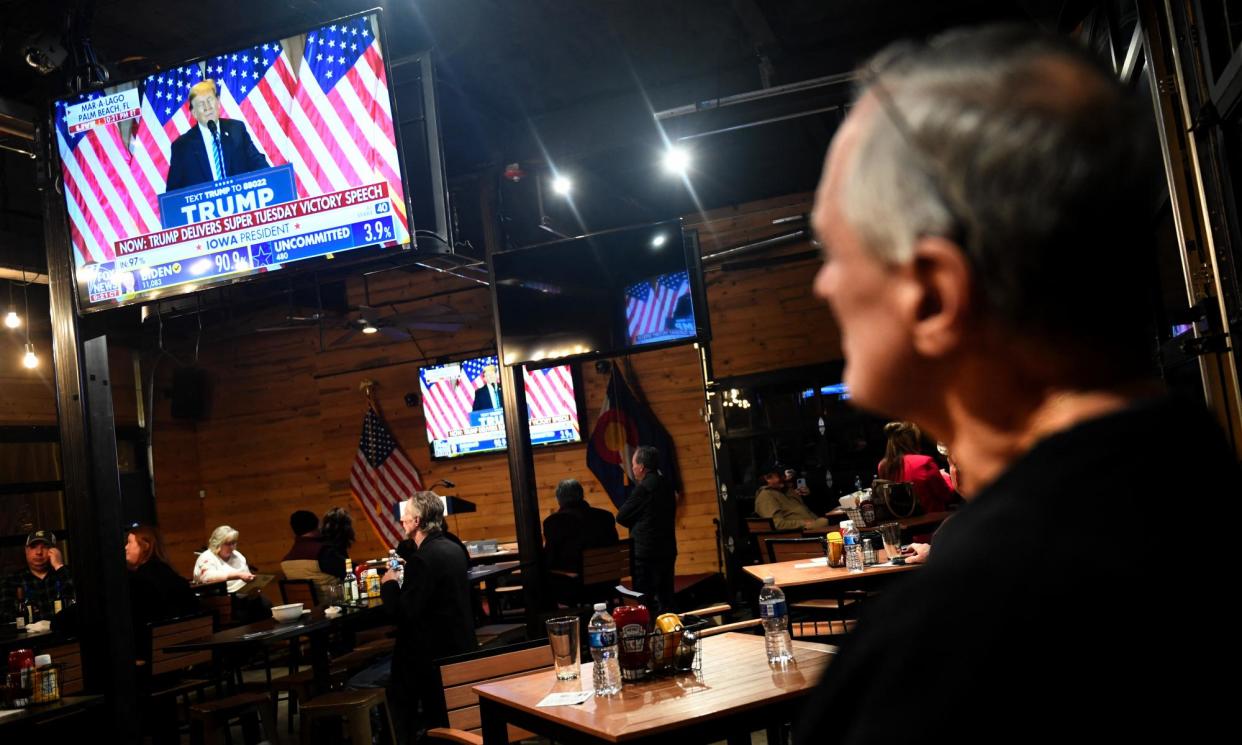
point(648, 309)
point(165, 117)
point(381, 477)
point(256, 86)
point(341, 114)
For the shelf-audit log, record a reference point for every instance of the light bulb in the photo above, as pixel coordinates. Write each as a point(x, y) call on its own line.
point(12, 320)
point(562, 185)
point(369, 329)
point(676, 161)
point(30, 360)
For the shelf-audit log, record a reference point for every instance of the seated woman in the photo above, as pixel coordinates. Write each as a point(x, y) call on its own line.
point(903, 461)
point(337, 532)
point(222, 561)
point(156, 591)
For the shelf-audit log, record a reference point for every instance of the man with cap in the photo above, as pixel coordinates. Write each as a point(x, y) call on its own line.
point(44, 580)
point(215, 149)
point(779, 500)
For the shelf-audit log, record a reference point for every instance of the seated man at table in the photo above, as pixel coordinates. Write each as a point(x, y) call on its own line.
point(43, 582)
point(432, 609)
point(780, 500)
point(575, 526)
point(972, 200)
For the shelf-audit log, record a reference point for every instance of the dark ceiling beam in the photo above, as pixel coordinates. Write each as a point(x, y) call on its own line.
point(767, 46)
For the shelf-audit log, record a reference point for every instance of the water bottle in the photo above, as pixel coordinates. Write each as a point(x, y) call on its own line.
point(394, 565)
point(602, 633)
point(775, 615)
point(853, 547)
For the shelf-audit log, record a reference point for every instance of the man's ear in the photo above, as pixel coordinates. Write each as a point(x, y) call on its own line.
point(941, 286)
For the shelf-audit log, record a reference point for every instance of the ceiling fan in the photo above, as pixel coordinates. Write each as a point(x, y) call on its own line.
point(369, 320)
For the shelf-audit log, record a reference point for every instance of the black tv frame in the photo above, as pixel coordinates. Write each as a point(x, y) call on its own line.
point(698, 291)
point(575, 374)
point(352, 257)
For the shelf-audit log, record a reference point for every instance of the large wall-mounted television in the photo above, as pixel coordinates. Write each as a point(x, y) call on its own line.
point(289, 154)
point(464, 415)
point(604, 294)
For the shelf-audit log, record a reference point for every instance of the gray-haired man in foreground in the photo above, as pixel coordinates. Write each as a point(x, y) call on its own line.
point(986, 224)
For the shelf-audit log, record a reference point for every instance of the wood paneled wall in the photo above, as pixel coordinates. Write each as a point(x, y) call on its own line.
point(286, 415)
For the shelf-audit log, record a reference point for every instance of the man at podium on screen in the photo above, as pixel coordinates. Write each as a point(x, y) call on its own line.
point(487, 396)
point(215, 149)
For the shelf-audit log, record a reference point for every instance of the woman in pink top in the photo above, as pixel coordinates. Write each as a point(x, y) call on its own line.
point(903, 462)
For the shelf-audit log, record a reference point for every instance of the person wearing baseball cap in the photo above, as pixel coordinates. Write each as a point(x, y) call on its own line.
point(782, 502)
point(44, 581)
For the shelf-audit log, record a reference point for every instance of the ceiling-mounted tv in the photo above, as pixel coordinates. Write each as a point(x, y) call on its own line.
point(600, 295)
point(463, 414)
point(233, 165)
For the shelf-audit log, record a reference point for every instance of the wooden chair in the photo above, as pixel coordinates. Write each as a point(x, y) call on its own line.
point(166, 676)
point(352, 706)
point(762, 540)
point(792, 548)
point(603, 569)
point(69, 656)
point(299, 591)
point(756, 525)
point(459, 675)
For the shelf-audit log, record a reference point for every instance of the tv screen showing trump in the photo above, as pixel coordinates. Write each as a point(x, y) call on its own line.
point(233, 165)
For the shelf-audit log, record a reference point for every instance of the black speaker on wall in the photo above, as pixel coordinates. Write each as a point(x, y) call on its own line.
point(191, 394)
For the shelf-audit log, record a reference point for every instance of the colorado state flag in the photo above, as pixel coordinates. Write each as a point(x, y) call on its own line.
point(624, 423)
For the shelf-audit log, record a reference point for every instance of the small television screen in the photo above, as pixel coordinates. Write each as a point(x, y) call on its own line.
point(233, 165)
point(464, 415)
point(599, 295)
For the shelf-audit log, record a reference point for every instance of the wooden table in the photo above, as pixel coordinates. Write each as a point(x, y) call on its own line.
point(908, 524)
point(71, 718)
point(314, 625)
point(736, 692)
point(486, 575)
point(502, 552)
point(796, 573)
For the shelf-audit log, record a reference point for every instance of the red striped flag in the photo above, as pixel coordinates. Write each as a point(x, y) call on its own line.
point(341, 113)
point(381, 477)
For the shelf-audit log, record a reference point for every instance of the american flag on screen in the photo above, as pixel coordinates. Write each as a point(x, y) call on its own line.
point(165, 117)
point(256, 86)
point(381, 477)
point(111, 187)
point(341, 113)
point(447, 403)
point(647, 309)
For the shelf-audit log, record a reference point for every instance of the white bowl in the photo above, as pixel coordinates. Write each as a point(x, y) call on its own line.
point(287, 613)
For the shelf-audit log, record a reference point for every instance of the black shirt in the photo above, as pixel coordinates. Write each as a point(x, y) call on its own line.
point(432, 608)
point(1066, 601)
point(41, 592)
point(650, 514)
point(571, 529)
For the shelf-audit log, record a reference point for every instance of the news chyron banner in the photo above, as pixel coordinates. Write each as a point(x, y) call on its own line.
point(232, 165)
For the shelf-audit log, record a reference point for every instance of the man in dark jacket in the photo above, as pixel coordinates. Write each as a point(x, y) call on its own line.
point(649, 513)
point(432, 610)
point(574, 527)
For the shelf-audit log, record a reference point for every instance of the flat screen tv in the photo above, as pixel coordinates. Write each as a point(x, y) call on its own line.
point(233, 165)
point(600, 295)
point(462, 407)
